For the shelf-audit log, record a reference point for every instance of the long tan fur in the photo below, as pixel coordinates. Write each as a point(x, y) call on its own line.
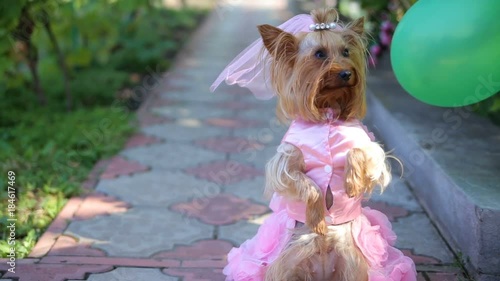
point(305, 86)
point(366, 168)
point(285, 176)
point(310, 256)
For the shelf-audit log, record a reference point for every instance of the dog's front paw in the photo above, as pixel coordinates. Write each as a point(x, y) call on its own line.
point(365, 168)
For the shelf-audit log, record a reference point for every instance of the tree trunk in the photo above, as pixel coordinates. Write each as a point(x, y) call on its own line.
point(23, 33)
point(60, 60)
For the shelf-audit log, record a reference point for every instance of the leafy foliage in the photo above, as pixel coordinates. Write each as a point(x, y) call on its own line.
point(105, 47)
point(490, 108)
point(116, 36)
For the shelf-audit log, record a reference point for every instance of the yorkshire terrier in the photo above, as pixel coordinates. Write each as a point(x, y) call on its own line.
point(325, 166)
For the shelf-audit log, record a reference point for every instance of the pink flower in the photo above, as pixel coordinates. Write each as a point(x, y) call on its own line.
point(385, 39)
point(371, 242)
point(387, 26)
point(374, 246)
point(376, 50)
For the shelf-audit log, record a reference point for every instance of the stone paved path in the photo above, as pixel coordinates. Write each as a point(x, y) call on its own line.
point(189, 186)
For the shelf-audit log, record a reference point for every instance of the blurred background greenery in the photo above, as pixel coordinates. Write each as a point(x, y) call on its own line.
point(67, 69)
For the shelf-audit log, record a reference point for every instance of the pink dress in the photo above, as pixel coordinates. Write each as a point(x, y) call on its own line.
point(324, 146)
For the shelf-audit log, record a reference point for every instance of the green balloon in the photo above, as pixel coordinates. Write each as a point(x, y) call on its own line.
point(447, 52)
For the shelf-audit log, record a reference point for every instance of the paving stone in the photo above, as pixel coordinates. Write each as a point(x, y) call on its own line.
point(220, 209)
point(418, 259)
point(172, 156)
point(141, 140)
point(159, 102)
point(239, 94)
point(191, 111)
point(203, 65)
point(149, 119)
point(195, 94)
point(54, 272)
point(205, 250)
point(4, 266)
point(237, 105)
point(398, 194)
point(69, 246)
point(196, 274)
point(175, 74)
point(187, 89)
point(204, 263)
point(265, 112)
point(442, 276)
point(93, 177)
point(139, 232)
point(266, 135)
point(114, 261)
point(240, 231)
point(392, 212)
point(192, 78)
point(417, 233)
point(252, 189)
point(207, 73)
point(119, 166)
point(190, 130)
point(98, 204)
point(158, 188)
point(233, 123)
point(224, 172)
point(257, 157)
point(131, 274)
point(229, 144)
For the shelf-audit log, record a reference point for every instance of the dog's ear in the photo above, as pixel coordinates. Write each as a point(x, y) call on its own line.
point(280, 44)
point(358, 26)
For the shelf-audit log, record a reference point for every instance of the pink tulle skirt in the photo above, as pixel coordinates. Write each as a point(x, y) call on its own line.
point(372, 232)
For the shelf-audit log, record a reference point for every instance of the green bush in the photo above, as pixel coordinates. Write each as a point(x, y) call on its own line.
point(489, 108)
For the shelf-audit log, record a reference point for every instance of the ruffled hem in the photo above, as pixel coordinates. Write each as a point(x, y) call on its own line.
point(372, 233)
point(249, 261)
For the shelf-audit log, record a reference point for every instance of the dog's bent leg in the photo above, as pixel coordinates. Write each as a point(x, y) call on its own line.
point(366, 167)
point(285, 176)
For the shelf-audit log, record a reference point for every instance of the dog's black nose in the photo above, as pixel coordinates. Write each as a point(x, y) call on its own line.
point(345, 75)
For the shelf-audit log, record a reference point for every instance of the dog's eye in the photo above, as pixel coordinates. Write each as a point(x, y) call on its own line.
point(320, 54)
point(345, 53)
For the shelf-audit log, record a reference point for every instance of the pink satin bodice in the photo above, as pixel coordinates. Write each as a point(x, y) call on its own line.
point(324, 147)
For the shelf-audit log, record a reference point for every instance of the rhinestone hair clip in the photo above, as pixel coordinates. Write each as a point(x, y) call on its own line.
point(322, 26)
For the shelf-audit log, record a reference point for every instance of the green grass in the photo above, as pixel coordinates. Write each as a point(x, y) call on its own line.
point(459, 262)
point(52, 154)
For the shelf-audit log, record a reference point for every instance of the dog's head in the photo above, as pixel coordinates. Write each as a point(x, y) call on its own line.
point(312, 71)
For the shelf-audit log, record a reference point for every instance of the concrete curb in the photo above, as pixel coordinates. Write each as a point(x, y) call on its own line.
point(464, 225)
